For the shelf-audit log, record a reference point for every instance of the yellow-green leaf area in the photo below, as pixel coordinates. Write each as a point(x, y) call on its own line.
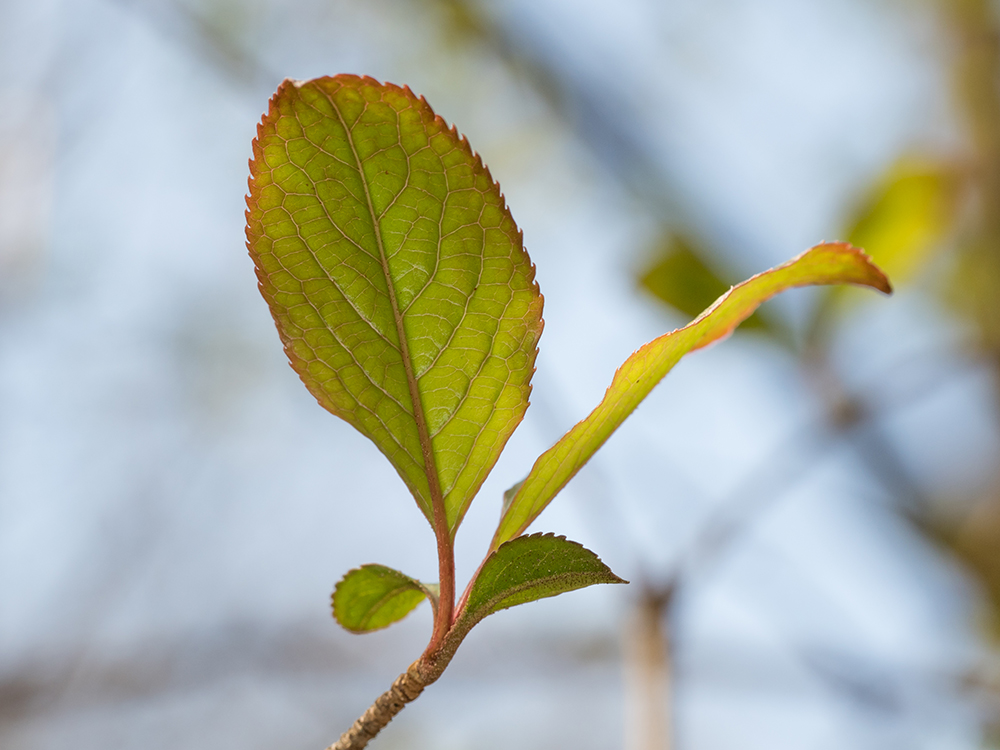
point(397, 279)
point(529, 568)
point(828, 263)
point(374, 596)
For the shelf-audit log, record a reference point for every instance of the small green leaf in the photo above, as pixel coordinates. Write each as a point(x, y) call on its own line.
point(397, 279)
point(829, 263)
point(529, 568)
point(374, 596)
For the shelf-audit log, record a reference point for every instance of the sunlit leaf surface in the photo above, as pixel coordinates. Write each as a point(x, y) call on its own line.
point(374, 596)
point(397, 279)
point(829, 263)
point(529, 568)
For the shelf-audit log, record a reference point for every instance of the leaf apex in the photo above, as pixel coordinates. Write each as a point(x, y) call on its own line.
point(883, 284)
point(294, 83)
point(562, 538)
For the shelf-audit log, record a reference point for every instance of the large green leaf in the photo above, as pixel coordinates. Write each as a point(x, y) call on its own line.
point(397, 279)
point(829, 263)
point(374, 596)
point(529, 568)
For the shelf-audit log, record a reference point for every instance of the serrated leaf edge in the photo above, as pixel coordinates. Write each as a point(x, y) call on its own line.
point(463, 142)
point(493, 605)
point(430, 590)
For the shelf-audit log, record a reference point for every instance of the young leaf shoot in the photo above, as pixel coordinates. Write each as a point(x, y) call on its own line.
point(408, 306)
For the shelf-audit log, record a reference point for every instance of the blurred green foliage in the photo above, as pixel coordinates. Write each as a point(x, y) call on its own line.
point(679, 275)
point(904, 221)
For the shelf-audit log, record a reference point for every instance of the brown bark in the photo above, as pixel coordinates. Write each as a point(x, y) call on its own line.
point(406, 688)
point(424, 671)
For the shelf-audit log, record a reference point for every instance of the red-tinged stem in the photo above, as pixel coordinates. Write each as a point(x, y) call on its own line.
point(445, 640)
point(446, 550)
point(460, 607)
point(444, 613)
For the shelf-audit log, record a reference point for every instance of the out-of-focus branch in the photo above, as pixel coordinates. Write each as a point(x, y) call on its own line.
point(649, 672)
point(590, 111)
point(649, 642)
point(213, 43)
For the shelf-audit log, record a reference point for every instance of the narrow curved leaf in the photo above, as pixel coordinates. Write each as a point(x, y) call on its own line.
point(529, 568)
point(829, 263)
point(397, 279)
point(374, 596)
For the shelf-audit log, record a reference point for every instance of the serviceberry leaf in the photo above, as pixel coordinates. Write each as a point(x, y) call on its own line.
point(397, 279)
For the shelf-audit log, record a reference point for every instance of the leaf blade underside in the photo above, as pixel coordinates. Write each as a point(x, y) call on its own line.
point(530, 568)
point(828, 263)
point(396, 277)
point(374, 596)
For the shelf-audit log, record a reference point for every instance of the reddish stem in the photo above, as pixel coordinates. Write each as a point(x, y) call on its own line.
point(444, 613)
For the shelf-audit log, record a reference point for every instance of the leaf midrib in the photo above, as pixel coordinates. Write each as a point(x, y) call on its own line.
point(430, 466)
point(517, 589)
point(377, 606)
point(490, 606)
